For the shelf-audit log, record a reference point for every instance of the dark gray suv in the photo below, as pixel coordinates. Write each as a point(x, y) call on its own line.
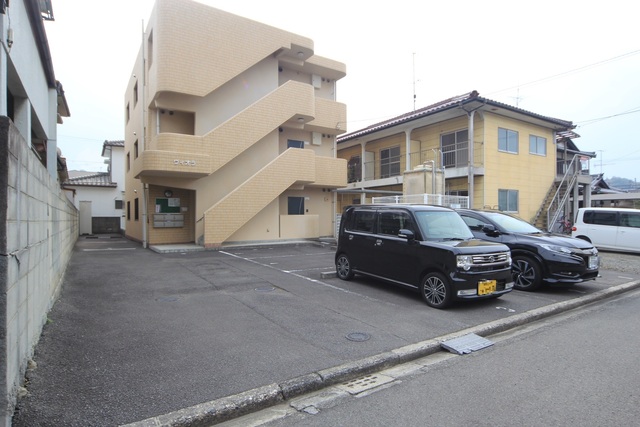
point(428, 248)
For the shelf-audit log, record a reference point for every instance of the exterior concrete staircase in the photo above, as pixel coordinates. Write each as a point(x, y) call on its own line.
point(294, 166)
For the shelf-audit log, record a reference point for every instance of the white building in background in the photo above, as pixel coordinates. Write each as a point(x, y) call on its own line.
point(99, 195)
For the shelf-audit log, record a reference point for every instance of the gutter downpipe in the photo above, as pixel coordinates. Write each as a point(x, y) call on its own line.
point(471, 115)
point(145, 187)
point(471, 154)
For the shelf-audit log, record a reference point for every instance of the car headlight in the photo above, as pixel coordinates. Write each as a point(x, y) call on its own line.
point(556, 248)
point(464, 262)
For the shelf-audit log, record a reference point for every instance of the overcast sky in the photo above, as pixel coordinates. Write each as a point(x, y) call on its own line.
point(569, 59)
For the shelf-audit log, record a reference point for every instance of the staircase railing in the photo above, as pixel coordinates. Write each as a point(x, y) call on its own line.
point(563, 192)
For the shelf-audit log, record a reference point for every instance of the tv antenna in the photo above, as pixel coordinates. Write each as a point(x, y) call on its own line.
point(414, 81)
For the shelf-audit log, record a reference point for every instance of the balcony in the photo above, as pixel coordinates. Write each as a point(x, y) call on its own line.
point(192, 156)
point(331, 117)
point(172, 164)
point(389, 171)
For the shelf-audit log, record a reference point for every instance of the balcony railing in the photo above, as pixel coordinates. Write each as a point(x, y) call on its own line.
point(456, 202)
point(571, 166)
point(392, 166)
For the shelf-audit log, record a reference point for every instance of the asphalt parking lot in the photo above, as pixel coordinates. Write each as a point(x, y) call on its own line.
point(136, 334)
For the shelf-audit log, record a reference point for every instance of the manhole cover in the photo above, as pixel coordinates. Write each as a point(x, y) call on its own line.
point(265, 288)
point(358, 336)
point(167, 299)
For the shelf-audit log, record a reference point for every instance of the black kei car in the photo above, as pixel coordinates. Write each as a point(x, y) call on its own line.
point(538, 257)
point(422, 247)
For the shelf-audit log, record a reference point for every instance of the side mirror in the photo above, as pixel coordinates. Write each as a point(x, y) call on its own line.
point(489, 229)
point(406, 234)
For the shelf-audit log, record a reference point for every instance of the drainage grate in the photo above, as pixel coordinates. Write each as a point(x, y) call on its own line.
point(358, 336)
point(365, 383)
point(466, 344)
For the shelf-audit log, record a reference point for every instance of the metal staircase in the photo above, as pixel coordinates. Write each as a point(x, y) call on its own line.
point(553, 207)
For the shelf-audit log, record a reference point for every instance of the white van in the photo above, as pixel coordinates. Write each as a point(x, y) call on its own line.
point(615, 229)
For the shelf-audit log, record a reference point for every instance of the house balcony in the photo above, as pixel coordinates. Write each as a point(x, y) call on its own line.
point(193, 156)
point(389, 171)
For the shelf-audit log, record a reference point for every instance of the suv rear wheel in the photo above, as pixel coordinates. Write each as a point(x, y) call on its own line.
point(435, 290)
point(527, 274)
point(343, 267)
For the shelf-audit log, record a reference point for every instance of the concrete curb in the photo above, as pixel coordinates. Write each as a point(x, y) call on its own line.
point(230, 407)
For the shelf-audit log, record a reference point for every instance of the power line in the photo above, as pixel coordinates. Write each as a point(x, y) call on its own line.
point(592, 121)
point(575, 70)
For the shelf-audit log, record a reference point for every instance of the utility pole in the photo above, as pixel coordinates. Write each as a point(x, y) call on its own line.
point(600, 151)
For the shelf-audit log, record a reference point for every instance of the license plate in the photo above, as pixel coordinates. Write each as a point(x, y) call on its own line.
point(594, 262)
point(486, 287)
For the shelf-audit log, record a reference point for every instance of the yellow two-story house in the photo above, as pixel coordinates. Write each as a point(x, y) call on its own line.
point(230, 131)
point(499, 156)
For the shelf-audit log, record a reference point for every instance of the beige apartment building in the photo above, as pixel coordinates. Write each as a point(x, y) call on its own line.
point(230, 132)
point(499, 156)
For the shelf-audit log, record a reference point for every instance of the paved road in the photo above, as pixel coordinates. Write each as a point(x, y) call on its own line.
point(576, 369)
point(136, 334)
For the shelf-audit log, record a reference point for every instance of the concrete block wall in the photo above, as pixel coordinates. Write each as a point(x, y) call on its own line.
point(40, 230)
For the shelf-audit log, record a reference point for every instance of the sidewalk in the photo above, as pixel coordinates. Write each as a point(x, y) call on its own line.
point(189, 338)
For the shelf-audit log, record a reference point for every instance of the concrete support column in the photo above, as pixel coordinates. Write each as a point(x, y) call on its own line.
point(22, 118)
point(363, 164)
point(3, 81)
point(586, 191)
point(52, 139)
point(407, 156)
point(576, 201)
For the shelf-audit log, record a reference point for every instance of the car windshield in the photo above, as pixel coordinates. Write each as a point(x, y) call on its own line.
point(512, 224)
point(442, 225)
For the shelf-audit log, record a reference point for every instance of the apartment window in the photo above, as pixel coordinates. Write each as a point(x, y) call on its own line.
point(128, 211)
point(292, 143)
point(118, 204)
point(128, 162)
point(390, 162)
point(455, 148)
point(135, 94)
point(508, 200)
point(537, 145)
point(354, 169)
point(127, 114)
point(296, 205)
point(136, 209)
point(135, 149)
point(508, 140)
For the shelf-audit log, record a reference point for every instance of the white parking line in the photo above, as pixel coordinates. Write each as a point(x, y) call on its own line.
point(239, 255)
point(109, 249)
point(293, 273)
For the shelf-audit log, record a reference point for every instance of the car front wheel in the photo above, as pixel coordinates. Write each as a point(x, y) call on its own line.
point(435, 290)
point(527, 274)
point(343, 267)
